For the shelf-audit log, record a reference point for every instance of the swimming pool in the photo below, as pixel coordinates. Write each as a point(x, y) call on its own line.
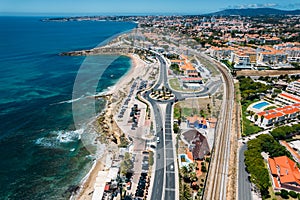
point(260, 105)
point(184, 160)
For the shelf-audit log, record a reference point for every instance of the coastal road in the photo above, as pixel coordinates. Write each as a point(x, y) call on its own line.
point(164, 179)
point(157, 190)
point(243, 181)
point(170, 158)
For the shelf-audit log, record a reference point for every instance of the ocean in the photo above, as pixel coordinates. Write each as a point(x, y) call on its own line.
point(41, 153)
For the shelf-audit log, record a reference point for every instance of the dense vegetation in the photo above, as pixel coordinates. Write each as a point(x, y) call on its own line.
point(255, 164)
point(251, 90)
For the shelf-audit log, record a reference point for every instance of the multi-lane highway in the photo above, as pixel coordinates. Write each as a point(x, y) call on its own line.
point(217, 176)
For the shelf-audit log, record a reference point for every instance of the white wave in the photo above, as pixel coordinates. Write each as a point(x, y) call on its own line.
point(46, 142)
point(68, 136)
point(69, 101)
point(55, 138)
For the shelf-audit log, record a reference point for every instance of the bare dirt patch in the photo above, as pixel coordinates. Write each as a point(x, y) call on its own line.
point(266, 72)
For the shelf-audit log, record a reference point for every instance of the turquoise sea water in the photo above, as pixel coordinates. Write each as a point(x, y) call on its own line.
point(41, 155)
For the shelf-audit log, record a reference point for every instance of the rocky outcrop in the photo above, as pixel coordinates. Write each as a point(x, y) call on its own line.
point(100, 50)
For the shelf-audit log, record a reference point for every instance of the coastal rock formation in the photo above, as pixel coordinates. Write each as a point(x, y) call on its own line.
point(107, 128)
point(100, 50)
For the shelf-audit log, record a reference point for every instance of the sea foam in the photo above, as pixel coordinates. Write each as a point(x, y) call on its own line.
point(55, 138)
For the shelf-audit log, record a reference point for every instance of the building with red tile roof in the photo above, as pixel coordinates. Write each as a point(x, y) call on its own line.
point(191, 79)
point(287, 98)
point(270, 117)
point(285, 173)
point(294, 153)
point(294, 87)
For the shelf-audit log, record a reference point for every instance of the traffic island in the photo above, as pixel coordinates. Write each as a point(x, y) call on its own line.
point(163, 94)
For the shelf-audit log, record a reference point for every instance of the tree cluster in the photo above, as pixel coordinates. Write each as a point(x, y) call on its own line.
point(285, 132)
point(251, 90)
point(254, 161)
point(126, 164)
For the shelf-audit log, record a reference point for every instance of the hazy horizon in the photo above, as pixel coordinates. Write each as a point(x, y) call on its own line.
point(132, 7)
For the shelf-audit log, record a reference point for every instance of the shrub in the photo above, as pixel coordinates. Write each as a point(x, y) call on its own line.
point(284, 194)
point(293, 194)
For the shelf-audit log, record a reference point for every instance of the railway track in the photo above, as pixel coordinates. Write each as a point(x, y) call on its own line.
point(216, 183)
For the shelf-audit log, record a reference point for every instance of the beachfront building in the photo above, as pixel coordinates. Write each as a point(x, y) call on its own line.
point(294, 87)
point(270, 117)
point(284, 173)
point(186, 67)
point(287, 99)
point(105, 181)
point(191, 75)
point(197, 142)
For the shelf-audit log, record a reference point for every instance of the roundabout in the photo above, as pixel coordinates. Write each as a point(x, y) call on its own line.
point(163, 94)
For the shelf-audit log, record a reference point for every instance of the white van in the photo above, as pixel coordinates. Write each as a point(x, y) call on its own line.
point(157, 139)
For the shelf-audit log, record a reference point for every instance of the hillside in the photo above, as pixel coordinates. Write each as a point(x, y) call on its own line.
point(256, 12)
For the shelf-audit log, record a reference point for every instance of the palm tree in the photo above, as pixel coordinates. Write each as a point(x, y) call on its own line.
point(193, 177)
point(262, 119)
point(193, 166)
point(255, 118)
point(184, 172)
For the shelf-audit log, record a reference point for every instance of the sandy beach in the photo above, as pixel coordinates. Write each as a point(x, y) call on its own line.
point(115, 96)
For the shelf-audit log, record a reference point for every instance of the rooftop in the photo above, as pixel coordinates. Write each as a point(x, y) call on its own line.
point(286, 170)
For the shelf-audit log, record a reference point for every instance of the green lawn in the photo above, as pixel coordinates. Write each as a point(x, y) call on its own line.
point(270, 108)
point(174, 83)
point(176, 111)
point(248, 127)
point(186, 112)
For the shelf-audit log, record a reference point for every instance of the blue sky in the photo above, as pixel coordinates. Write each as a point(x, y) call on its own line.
point(137, 6)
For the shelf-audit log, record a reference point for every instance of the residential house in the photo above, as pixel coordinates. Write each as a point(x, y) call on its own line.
point(198, 144)
point(285, 173)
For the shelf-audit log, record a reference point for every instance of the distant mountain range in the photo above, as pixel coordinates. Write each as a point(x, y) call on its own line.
point(256, 12)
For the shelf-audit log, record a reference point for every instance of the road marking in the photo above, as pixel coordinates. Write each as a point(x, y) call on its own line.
point(169, 158)
point(170, 189)
point(170, 172)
